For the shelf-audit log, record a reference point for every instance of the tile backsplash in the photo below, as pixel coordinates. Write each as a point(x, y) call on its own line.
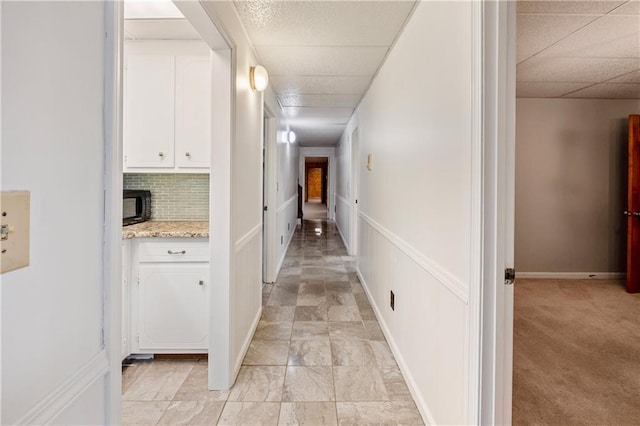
point(174, 196)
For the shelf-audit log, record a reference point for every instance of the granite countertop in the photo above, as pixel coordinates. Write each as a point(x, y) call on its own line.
point(166, 229)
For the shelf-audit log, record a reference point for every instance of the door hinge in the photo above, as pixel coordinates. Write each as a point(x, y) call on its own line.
point(509, 276)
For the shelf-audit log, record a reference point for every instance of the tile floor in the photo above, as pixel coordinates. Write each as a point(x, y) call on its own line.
point(318, 356)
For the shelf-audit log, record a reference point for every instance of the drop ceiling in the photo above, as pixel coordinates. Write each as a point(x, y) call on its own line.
point(578, 49)
point(321, 56)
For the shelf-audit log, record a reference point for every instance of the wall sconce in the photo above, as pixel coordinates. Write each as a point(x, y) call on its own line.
point(259, 78)
point(291, 136)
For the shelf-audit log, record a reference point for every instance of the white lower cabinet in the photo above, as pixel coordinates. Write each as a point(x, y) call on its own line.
point(169, 295)
point(126, 274)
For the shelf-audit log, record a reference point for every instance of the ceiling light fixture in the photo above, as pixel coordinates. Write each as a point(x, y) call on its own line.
point(259, 78)
point(291, 136)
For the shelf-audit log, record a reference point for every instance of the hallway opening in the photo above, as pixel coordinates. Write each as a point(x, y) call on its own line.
point(316, 188)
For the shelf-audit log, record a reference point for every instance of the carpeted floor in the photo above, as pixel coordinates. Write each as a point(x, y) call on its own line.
point(576, 353)
point(315, 209)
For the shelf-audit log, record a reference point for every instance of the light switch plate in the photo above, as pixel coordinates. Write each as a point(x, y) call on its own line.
point(14, 217)
point(369, 162)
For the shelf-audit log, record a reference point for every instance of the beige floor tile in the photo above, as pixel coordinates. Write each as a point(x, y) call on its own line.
point(311, 313)
point(273, 331)
point(308, 384)
point(142, 413)
point(267, 352)
point(374, 332)
point(340, 298)
point(382, 352)
point(309, 353)
point(308, 413)
point(365, 413)
point(196, 386)
point(394, 384)
point(344, 313)
point(363, 383)
point(406, 413)
point(132, 372)
point(250, 413)
point(278, 313)
point(192, 413)
point(258, 384)
point(310, 330)
point(352, 352)
point(159, 382)
point(347, 330)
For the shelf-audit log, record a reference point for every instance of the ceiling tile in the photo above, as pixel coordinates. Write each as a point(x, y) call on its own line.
point(320, 61)
point(318, 23)
point(536, 32)
point(160, 29)
point(632, 77)
point(611, 36)
point(569, 7)
point(574, 70)
point(630, 8)
point(320, 85)
point(546, 90)
point(319, 115)
point(609, 91)
point(331, 101)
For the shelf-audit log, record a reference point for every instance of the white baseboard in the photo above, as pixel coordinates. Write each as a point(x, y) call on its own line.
point(52, 405)
point(246, 343)
point(425, 412)
point(573, 275)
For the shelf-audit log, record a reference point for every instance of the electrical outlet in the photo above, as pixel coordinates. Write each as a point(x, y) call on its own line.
point(392, 301)
point(288, 226)
point(281, 239)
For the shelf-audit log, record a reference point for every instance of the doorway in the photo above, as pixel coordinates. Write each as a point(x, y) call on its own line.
point(316, 171)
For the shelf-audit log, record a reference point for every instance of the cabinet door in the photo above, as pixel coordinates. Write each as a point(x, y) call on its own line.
point(126, 349)
point(193, 112)
point(173, 307)
point(149, 98)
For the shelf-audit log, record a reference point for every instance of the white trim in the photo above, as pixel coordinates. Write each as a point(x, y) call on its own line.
point(54, 404)
point(286, 203)
point(112, 232)
point(247, 343)
point(404, 369)
point(453, 284)
point(286, 249)
point(246, 238)
point(573, 275)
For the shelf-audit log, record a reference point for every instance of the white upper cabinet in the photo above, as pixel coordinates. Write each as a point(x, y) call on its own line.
point(167, 107)
point(149, 118)
point(193, 112)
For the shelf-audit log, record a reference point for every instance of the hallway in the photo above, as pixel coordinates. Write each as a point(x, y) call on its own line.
point(318, 356)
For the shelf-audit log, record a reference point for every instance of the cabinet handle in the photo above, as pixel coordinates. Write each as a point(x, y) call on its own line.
point(161, 154)
point(200, 282)
point(188, 154)
point(176, 252)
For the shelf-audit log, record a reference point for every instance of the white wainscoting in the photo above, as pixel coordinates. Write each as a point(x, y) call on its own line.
point(428, 331)
point(343, 218)
point(54, 405)
point(287, 219)
point(246, 293)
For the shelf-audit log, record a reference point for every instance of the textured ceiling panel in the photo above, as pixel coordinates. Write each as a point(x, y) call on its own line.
point(323, 60)
point(324, 115)
point(609, 91)
point(630, 8)
point(322, 23)
point(537, 32)
point(611, 36)
point(574, 70)
point(320, 85)
point(334, 101)
point(632, 77)
point(160, 29)
point(546, 90)
point(568, 7)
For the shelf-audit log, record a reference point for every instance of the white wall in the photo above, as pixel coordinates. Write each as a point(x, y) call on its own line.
point(287, 193)
point(53, 146)
point(571, 170)
point(343, 188)
point(415, 205)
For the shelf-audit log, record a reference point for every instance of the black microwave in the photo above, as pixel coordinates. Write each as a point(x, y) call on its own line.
point(136, 206)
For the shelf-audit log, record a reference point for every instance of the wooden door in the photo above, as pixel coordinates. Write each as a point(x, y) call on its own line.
point(633, 207)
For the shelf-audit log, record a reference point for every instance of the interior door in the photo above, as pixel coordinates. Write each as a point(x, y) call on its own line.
point(633, 207)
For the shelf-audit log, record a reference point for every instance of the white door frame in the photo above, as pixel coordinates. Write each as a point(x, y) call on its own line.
point(269, 257)
point(354, 192)
point(331, 155)
point(498, 189)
